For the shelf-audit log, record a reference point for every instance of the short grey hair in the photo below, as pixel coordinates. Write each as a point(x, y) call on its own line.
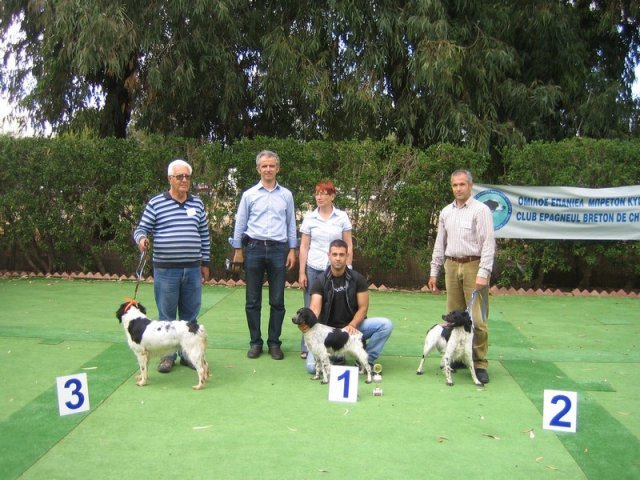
point(178, 163)
point(463, 172)
point(267, 153)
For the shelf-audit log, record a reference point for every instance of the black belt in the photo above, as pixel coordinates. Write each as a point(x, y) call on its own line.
point(463, 259)
point(266, 243)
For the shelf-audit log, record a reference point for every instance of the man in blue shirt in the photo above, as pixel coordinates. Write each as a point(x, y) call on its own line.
point(266, 228)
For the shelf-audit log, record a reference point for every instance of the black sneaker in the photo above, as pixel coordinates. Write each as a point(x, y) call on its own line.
point(483, 376)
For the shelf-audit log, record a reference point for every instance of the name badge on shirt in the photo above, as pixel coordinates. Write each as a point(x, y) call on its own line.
point(191, 212)
point(466, 225)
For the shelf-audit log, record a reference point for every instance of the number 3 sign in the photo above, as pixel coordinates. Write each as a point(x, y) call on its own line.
point(560, 411)
point(73, 394)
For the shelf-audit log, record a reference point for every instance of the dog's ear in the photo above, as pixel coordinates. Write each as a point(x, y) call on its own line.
point(119, 312)
point(467, 322)
point(308, 316)
point(142, 309)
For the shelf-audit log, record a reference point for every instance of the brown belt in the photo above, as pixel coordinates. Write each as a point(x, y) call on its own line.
point(463, 259)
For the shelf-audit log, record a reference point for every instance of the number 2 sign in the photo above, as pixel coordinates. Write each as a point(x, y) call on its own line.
point(73, 394)
point(560, 411)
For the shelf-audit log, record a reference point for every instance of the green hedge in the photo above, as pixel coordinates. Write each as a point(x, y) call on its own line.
point(71, 203)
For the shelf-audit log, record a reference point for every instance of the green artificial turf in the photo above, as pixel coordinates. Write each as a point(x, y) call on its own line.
point(264, 418)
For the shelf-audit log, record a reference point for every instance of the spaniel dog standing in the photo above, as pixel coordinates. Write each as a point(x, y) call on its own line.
point(323, 341)
point(454, 339)
point(147, 337)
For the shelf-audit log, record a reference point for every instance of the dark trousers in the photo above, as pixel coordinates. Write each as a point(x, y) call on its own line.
point(258, 260)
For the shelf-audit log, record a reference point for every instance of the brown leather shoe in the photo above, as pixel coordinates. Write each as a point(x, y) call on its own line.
point(276, 353)
point(166, 364)
point(255, 351)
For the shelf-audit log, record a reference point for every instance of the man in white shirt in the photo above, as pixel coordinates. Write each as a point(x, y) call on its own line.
point(466, 247)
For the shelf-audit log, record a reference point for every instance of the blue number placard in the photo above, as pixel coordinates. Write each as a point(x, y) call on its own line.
point(560, 411)
point(73, 394)
point(343, 384)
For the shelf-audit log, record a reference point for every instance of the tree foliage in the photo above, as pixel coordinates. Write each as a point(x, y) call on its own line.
point(478, 74)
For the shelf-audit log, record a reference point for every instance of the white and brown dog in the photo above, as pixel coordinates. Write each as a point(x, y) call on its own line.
point(160, 337)
point(454, 339)
point(323, 341)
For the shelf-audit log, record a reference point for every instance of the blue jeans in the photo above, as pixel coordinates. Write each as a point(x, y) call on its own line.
point(178, 293)
point(258, 260)
point(312, 276)
point(376, 331)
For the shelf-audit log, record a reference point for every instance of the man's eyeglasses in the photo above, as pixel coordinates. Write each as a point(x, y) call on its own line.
point(182, 176)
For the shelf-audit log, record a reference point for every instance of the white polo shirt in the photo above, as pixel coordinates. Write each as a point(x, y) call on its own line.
point(322, 232)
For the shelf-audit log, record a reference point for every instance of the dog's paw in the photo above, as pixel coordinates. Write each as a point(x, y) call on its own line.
point(419, 372)
point(450, 384)
point(198, 387)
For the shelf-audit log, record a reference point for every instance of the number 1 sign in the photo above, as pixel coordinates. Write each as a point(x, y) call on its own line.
point(343, 384)
point(560, 411)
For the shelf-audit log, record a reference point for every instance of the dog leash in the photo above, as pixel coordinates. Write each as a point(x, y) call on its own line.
point(141, 264)
point(483, 293)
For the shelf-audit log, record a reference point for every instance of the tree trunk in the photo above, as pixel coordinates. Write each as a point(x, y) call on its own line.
point(116, 113)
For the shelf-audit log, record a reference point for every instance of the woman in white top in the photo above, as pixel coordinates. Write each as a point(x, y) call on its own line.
point(319, 228)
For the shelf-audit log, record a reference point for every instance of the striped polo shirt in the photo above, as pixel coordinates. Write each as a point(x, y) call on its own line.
point(180, 231)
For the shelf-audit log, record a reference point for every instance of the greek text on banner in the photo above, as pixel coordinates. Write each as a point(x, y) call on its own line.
point(566, 213)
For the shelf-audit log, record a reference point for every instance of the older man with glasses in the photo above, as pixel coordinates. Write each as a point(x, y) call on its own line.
point(177, 222)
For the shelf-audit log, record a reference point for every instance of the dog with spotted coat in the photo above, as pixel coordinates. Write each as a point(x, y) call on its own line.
point(161, 337)
point(454, 339)
point(323, 341)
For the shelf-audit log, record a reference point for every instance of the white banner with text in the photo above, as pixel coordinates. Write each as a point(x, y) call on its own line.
point(565, 213)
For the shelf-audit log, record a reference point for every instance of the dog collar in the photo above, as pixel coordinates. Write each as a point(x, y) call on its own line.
point(131, 303)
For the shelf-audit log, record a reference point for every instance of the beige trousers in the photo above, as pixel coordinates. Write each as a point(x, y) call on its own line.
point(460, 281)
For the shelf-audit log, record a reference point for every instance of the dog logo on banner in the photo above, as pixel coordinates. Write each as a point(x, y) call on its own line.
point(499, 205)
